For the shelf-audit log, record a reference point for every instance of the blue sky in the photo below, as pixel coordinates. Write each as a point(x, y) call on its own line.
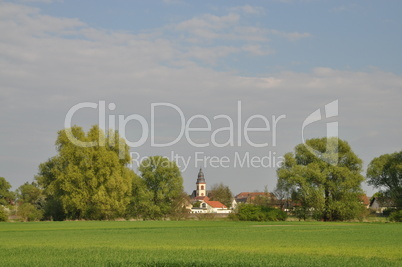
point(286, 57)
point(351, 35)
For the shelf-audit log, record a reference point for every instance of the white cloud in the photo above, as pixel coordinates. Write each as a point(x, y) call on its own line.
point(247, 9)
point(292, 36)
point(209, 28)
point(257, 50)
point(210, 55)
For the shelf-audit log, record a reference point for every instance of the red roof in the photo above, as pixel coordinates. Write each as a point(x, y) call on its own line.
point(364, 199)
point(215, 204)
point(204, 198)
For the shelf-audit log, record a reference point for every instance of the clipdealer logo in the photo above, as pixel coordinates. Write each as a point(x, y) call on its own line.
point(330, 155)
point(237, 129)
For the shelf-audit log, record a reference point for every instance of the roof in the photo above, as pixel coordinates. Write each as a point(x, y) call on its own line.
point(200, 179)
point(364, 200)
point(383, 202)
point(252, 195)
point(215, 204)
point(204, 198)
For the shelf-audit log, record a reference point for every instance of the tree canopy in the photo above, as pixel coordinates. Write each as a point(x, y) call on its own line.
point(163, 189)
point(6, 196)
point(221, 193)
point(325, 184)
point(87, 182)
point(385, 172)
point(30, 193)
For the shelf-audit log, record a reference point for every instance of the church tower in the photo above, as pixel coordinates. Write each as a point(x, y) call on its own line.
point(201, 185)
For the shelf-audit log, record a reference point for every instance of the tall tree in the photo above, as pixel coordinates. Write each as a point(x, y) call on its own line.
point(163, 180)
point(87, 182)
point(141, 204)
point(6, 196)
point(31, 202)
point(327, 182)
point(30, 193)
point(283, 193)
point(221, 193)
point(385, 172)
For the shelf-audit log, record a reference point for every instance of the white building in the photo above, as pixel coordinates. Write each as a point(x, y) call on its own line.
point(200, 195)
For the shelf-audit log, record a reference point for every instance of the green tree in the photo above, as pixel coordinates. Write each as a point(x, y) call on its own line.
point(31, 202)
point(325, 179)
point(164, 182)
point(266, 199)
point(221, 193)
point(141, 205)
point(3, 215)
point(6, 196)
point(31, 193)
point(283, 193)
point(87, 182)
point(28, 212)
point(385, 172)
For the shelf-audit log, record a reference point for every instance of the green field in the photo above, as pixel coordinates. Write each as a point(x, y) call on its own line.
point(200, 243)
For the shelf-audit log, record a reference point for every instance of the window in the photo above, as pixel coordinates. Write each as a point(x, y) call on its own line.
point(202, 187)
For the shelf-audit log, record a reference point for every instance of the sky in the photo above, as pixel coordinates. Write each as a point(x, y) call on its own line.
point(163, 68)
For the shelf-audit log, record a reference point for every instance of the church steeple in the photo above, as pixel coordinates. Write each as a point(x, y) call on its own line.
point(200, 178)
point(201, 185)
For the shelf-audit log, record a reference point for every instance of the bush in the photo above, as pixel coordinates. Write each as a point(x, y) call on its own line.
point(387, 212)
point(29, 213)
point(396, 216)
point(251, 212)
point(3, 215)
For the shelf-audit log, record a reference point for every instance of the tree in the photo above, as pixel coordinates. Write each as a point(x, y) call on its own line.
point(31, 202)
point(141, 204)
point(164, 184)
point(221, 193)
point(3, 215)
point(385, 172)
point(265, 199)
point(325, 183)
point(32, 194)
point(283, 193)
point(87, 182)
point(6, 196)
point(28, 212)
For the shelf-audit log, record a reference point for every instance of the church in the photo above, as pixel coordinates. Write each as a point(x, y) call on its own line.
point(200, 200)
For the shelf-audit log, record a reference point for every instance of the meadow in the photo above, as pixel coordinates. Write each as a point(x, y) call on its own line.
point(200, 243)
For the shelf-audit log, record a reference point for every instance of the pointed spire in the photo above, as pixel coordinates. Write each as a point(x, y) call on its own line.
point(200, 177)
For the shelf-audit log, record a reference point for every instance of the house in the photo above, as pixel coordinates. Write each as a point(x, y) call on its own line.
point(379, 204)
point(365, 201)
point(211, 207)
point(200, 200)
point(254, 197)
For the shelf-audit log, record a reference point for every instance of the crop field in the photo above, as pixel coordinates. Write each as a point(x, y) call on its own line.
point(200, 243)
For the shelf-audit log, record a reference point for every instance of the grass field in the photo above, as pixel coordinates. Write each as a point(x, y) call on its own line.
point(200, 243)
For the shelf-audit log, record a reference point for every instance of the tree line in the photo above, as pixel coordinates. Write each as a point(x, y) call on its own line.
point(95, 183)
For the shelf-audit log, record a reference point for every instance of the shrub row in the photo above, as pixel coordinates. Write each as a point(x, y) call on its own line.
point(251, 212)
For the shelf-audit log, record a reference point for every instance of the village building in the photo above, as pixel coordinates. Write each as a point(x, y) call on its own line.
point(379, 204)
point(365, 201)
point(254, 197)
point(201, 202)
